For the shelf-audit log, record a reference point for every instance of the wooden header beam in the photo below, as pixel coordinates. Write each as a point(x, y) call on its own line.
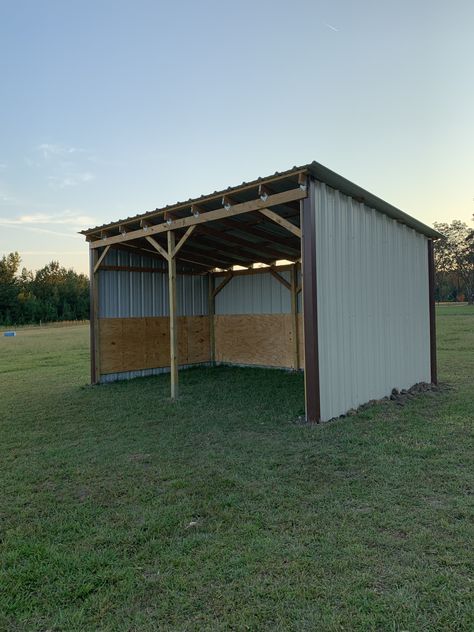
point(208, 216)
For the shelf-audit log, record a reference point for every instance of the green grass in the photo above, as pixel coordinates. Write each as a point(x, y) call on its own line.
point(122, 511)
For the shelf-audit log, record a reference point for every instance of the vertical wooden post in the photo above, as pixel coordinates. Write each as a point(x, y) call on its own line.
point(431, 284)
point(172, 316)
point(212, 310)
point(310, 305)
point(94, 316)
point(294, 315)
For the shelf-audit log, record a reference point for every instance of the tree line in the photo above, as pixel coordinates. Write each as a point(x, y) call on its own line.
point(50, 294)
point(454, 262)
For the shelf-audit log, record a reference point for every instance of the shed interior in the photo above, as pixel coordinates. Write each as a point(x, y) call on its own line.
point(228, 266)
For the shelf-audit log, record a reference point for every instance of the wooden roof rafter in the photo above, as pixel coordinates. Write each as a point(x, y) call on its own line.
point(174, 223)
point(289, 177)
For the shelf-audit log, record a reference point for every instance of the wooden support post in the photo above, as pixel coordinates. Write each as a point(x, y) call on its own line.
point(294, 316)
point(212, 312)
point(172, 316)
point(310, 306)
point(94, 316)
point(431, 284)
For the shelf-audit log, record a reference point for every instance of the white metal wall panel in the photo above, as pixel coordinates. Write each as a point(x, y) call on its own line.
point(125, 294)
point(373, 314)
point(254, 294)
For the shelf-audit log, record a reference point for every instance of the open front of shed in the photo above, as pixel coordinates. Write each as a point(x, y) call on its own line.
point(301, 270)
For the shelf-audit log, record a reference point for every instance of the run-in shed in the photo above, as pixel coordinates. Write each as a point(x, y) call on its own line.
point(299, 270)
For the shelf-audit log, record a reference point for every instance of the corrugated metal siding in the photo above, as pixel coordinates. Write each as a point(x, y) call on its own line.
point(124, 294)
point(130, 375)
point(373, 317)
point(254, 294)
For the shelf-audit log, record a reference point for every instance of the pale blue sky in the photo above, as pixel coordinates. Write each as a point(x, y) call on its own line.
point(113, 107)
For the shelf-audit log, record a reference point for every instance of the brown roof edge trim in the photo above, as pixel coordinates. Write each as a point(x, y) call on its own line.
point(335, 181)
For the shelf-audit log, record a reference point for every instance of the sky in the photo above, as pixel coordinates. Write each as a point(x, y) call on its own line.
point(109, 108)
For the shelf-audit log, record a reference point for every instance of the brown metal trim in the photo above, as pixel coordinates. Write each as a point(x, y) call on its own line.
point(93, 257)
point(310, 305)
point(431, 284)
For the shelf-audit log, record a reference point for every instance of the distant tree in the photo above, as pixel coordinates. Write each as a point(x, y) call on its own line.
point(454, 257)
point(52, 293)
point(9, 287)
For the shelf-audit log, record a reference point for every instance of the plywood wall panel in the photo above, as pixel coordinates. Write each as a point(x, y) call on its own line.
point(198, 339)
point(131, 344)
point(157, 352)
point(255, 339)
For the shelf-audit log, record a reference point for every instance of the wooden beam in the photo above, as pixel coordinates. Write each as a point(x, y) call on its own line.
point(223, 283)
point(251, 227)
point(284, 223)
point(294, 316)
point(148, 252)
point(172, 316)
point(254, 247)
point(209, 216)
point(234, 256)
point(94, 318)
point(183, 239)
point(310, 307)
point(262, 270)
point(279, 278)
point(214, 258)
point(101, 258)
point(303, 180)
point(157, 246)
point(136, 269)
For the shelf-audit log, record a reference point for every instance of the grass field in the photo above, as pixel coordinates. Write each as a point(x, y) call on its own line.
point(122, 511)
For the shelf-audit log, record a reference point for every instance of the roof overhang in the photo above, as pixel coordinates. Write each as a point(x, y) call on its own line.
point(258, 221)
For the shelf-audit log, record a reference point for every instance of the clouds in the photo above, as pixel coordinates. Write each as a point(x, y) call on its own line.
point(70, 180)
point(49, 223)
point(53, 150)
point(68, 217)
point(62, 165)
point(6, 197)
